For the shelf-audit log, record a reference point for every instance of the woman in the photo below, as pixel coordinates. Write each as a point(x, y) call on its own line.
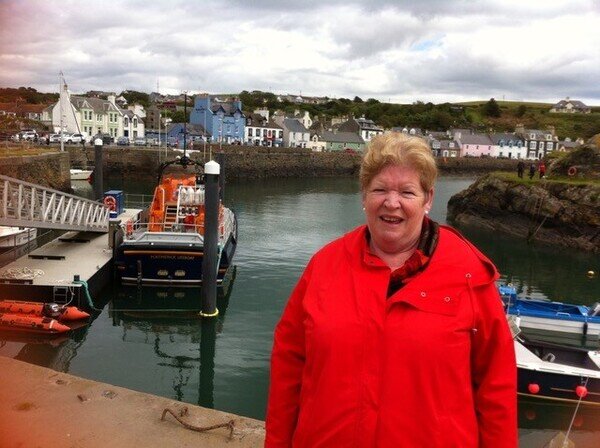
point(395, 335)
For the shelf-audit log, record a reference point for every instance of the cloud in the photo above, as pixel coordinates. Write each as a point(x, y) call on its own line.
point(432, 50)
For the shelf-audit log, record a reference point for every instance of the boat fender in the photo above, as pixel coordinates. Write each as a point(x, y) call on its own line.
point(182, 195)
point(585, 328)
point(129, 228)
point(190, 195)
point(581, 391)
point(550, 357)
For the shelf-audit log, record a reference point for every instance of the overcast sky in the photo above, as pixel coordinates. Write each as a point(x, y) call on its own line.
point(401, 51)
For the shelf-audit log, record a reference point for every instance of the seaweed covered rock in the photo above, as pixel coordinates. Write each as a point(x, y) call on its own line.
point(558, 213)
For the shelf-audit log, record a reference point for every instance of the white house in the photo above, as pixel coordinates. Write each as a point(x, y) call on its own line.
point(91, 116)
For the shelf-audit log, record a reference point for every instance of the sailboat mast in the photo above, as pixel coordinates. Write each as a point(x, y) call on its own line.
point(60, 110)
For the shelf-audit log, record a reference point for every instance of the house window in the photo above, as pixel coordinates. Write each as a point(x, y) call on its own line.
point(280, 134)
point(541, 145)
point(135, 122)
point(549, 146)
point(126, 122)
point(532, 145)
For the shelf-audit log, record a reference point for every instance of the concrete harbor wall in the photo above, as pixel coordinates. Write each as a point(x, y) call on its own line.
point(41, 407)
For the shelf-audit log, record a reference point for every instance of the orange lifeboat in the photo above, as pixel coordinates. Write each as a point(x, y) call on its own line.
point(52, 310)
point(31, 324)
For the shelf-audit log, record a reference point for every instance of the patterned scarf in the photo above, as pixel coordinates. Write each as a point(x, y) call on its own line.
point(418, 260)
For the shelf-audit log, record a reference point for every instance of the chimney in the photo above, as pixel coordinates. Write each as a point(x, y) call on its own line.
point(111, 99)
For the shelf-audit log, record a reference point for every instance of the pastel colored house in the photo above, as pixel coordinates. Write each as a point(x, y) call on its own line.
point(508, 145)
point(475, 145)
point(223, 120)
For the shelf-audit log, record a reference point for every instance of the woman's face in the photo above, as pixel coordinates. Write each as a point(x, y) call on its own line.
point(395, 204)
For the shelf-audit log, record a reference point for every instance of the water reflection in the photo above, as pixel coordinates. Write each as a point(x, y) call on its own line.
point(183, 343)
point(55, 352)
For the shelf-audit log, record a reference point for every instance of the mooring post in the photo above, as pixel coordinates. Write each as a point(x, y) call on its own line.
point(98, 169)
point(211, 240)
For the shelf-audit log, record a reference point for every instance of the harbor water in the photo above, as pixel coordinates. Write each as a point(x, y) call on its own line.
point(151, 339)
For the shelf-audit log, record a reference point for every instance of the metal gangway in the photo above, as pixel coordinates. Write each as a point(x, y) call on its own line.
point(23, 204)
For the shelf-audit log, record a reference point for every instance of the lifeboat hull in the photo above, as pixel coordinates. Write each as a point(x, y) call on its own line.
point(31, 324)
point(67, 313)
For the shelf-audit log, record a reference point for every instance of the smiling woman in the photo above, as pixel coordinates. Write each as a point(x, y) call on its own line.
point(395, 328)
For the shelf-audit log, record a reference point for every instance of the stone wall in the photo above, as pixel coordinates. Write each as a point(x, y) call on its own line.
point(49, 169)
point(248, 162)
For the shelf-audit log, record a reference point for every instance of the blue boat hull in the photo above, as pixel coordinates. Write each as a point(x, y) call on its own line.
point(167, 265)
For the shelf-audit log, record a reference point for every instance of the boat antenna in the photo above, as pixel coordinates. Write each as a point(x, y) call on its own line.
point(185, 124)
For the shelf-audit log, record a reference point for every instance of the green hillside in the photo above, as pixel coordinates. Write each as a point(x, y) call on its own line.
point(440, 117)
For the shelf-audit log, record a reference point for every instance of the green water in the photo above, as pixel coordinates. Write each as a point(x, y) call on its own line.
point(139, 343)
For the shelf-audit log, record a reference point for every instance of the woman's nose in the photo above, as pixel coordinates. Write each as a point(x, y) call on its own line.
point(392, 200)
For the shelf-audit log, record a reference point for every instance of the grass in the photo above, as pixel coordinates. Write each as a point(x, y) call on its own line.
point(512, 177)
point(23, 150)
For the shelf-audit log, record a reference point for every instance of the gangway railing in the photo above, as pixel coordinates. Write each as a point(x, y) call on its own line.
point(23, 204)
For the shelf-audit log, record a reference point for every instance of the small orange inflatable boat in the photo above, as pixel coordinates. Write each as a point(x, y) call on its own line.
point(52, 310)
point(31, 324)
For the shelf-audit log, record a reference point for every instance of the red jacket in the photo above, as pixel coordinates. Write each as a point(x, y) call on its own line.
point(431, 366)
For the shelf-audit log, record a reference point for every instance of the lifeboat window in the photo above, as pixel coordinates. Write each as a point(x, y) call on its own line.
point(162, 273)
point(180, 273)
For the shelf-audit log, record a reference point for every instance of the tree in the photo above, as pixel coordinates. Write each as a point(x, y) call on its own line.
point(491, 109)
point(358, 99)
point(521, 110)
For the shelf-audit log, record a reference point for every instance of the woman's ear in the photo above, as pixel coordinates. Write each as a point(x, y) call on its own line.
point(429, 199)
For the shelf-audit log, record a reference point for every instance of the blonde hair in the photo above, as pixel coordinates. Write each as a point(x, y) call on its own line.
point(396, 148)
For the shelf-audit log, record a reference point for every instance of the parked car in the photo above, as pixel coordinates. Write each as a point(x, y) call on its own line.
point(123, 141)
point(54, 138)
point(76, 138)
point(29, 135)
point(152, 141)
point(139, 141)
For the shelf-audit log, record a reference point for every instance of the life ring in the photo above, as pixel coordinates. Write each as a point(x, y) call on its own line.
point(111, 203)
point(572, 171)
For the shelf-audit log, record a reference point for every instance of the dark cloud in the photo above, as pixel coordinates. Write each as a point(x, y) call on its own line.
point(381, 49)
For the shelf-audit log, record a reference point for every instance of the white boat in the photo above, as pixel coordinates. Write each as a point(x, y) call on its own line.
point(555, 317)
point(16, 236)
point(77, 174)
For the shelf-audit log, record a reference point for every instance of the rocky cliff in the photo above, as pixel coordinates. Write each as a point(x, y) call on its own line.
point(563, 213)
